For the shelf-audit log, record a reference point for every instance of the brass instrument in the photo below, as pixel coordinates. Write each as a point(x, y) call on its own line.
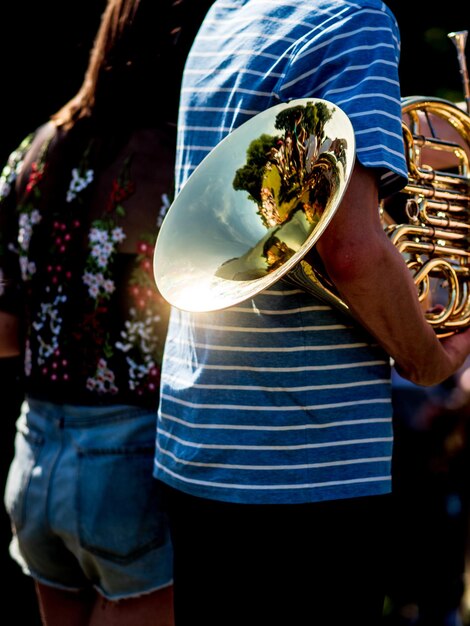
point(459, 39)
point(429, 220)
point(258, 203)
point(255, 206)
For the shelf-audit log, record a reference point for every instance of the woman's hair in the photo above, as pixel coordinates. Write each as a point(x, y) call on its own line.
point(135, 64)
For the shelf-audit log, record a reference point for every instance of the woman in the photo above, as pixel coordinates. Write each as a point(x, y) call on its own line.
point(81, 202)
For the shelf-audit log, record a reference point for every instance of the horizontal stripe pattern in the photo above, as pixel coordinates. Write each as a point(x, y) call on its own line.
point(241, 409)
point(348, 56)
point(282, 398)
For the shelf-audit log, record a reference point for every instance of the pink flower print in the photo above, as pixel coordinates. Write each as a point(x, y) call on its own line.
point(120, 191)
point(145, 248)
point(103, 380)
point(34, 177)
point(97, 284)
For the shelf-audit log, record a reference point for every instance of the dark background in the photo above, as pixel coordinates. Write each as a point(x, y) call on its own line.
point(44, 49)
point(44, 53)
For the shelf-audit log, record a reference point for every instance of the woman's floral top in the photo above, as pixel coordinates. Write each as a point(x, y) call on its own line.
point(94, 323)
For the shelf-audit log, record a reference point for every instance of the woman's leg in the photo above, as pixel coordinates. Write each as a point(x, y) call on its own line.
point(63, 608)
point(151, 609)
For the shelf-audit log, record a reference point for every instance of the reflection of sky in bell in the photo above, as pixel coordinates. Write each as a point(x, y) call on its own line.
point(295, 232)
point(210, 211)
point(233, 218)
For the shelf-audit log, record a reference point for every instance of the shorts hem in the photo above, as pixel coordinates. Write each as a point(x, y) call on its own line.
point(27, 571)
point(107, 596)
point(128, 596)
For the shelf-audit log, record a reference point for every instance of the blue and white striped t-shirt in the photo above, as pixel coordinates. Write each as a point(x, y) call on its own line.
point(282, 399)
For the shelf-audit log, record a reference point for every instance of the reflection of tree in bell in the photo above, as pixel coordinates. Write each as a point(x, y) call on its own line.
point(249, 176)
point(276, 252)
point(298, 170)
point(293, 179)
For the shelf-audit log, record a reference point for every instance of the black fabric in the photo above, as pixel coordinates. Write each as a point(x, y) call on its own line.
point(317, 564)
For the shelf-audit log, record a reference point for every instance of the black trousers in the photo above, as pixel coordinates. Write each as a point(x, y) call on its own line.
point(316, 564)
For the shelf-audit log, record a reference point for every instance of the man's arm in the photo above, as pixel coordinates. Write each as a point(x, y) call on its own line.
point(373, 279)
point(9, 337)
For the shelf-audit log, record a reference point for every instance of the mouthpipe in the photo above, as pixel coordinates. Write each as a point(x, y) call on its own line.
point(460, 39)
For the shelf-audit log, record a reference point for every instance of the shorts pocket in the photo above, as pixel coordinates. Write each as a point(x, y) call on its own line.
point(28, 445)
point(119, 506)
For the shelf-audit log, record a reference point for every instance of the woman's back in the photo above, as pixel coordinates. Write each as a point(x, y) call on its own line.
point(87, 212)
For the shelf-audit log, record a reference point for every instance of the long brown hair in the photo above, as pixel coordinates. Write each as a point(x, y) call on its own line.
point(135, 65)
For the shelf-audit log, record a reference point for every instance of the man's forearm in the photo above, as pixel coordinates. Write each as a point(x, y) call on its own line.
point(372, 278)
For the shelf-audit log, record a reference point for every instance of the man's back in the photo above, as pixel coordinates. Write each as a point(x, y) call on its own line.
point(282, 399)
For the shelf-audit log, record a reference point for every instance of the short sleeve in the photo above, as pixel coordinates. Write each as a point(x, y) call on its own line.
point(11, 231)
point(353, 62)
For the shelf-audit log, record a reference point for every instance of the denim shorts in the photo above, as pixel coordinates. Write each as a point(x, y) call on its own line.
point(84, 506)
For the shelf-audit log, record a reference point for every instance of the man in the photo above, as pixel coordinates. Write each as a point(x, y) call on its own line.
point(274, 436)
